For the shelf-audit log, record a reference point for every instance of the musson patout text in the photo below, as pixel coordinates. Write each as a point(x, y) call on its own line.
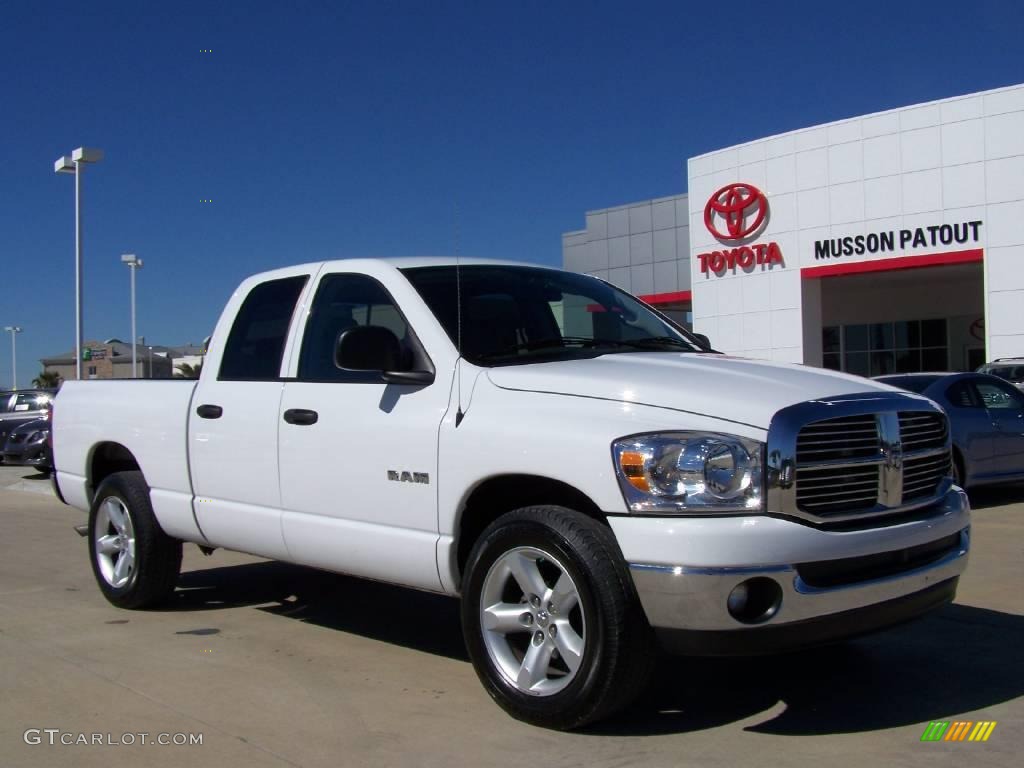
point(898, 240)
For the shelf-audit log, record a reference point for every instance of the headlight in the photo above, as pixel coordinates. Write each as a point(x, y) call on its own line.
point(35, 437)
point(694, 472)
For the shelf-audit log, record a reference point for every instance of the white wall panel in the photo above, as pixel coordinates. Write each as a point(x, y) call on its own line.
point(883, 197)
point(812, 169)
point(845, 162)
point(881, 156)
point(1004, 180)
point(920, 149)
point(922, 191)
point(963, 185)
point(1004, 135)
point(963, 142)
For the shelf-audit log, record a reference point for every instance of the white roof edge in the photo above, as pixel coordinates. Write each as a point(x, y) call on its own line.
point(398, 262)
point(805, 129)
point(634, 204)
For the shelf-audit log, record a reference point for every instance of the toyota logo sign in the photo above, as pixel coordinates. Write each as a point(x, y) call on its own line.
point(735, 215)
point(741, 207)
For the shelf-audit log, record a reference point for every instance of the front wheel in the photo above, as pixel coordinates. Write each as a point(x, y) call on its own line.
point(135, 563)
point(551, 618)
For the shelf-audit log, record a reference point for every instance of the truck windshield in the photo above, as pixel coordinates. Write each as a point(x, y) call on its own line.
point(513, 314)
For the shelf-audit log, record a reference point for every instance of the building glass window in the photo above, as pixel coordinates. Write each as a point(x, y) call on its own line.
point(876, 349)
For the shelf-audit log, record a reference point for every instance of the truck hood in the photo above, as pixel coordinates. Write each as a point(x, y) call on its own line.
point(729, 388)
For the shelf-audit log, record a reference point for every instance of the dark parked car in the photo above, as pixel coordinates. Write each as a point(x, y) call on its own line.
point(986, 416)
point(29, 445)
point(20, 407)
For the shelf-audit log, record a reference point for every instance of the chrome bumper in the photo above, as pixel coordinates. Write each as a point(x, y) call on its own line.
point(689, 597)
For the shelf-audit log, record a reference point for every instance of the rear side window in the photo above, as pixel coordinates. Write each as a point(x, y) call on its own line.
point(256, 343)
point(962, 395)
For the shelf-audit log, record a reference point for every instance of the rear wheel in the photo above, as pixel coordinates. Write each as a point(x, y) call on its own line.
point(135, 563)
point(551, 618)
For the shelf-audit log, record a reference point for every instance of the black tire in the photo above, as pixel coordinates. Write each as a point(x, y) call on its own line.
point(157, 557)
point(617, 654)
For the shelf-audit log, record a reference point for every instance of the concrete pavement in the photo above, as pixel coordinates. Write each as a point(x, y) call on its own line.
point(277, 665)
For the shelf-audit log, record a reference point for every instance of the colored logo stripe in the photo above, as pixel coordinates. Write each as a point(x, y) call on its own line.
point(959, 730)
point(955, 732)
point(982, 731)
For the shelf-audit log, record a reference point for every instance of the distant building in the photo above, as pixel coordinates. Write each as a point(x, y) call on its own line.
point(112, 359)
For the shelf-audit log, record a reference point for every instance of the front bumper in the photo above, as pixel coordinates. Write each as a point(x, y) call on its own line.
point(28, 455)
point(685, 569)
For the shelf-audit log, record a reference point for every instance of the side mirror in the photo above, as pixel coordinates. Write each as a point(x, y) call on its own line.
point(703, 340)
point(373, 348)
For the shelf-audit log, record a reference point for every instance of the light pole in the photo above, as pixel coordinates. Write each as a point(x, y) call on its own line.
point(13, 329)
point(74, 165)
point(134, 263)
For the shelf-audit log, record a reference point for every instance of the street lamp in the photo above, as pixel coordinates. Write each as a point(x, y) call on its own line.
point(134, 263)
point(13, 329)
point(74, 164)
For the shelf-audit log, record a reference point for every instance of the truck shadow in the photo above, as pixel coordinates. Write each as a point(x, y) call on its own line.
point(988, 496)
point(404, 617)
point(961, 659)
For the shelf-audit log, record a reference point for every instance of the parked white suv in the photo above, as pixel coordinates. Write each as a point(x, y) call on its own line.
point(1009, 368)
point(587, 476)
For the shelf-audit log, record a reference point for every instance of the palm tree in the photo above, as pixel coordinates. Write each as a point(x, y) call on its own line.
point(47, 380)
point(187, 371)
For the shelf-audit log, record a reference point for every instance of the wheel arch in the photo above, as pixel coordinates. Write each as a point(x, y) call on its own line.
point(961, 461)
point(492, 497)
point(105, 459)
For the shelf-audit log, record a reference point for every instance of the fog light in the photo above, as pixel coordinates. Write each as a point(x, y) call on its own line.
point(754, 600)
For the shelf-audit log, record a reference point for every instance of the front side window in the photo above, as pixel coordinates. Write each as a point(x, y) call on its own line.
point(999, 396)
point(345, 301)
point(256, 343)
point(516, 315)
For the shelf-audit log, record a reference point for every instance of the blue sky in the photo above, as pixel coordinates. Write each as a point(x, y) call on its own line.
point(324, 130)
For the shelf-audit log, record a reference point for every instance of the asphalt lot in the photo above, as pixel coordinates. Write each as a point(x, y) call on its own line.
point(277, 665)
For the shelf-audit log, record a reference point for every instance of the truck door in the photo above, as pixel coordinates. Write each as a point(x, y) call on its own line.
point(234, 419)
point(357, 455)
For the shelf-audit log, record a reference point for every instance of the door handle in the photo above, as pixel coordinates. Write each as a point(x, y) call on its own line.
point(209, 411)
point(301, 416)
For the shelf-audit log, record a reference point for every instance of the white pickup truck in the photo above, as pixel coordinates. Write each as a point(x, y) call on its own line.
point(588, 477)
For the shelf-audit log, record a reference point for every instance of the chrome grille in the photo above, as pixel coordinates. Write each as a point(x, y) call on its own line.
point(831, 489)
point(921, 431)
point(848, 437)
point(856, 457)
point(922, 475)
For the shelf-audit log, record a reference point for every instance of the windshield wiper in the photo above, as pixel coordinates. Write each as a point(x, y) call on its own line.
point(660, 340)
point(587, 342)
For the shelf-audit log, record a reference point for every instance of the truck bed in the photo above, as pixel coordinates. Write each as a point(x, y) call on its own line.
point(149, 418)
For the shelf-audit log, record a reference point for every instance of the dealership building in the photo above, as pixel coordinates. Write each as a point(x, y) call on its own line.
point(891, 242)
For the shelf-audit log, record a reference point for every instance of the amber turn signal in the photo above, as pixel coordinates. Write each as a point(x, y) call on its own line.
point(632, 464)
